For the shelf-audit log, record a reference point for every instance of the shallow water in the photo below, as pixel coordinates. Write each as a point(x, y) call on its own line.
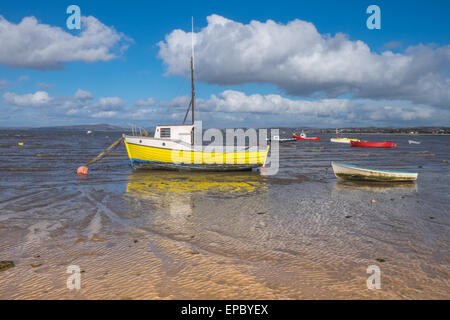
point(166, 235)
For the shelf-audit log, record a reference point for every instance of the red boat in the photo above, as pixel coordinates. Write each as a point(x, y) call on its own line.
point(366, 144)
point(303, 136)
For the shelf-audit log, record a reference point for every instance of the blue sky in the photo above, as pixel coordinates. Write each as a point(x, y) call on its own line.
point(139, 72)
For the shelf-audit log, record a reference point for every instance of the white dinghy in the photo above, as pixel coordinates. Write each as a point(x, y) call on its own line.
point(350, 172)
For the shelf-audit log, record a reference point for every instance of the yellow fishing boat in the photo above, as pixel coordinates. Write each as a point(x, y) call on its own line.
point(172, 147)
point(342, 140)
point(173, 152)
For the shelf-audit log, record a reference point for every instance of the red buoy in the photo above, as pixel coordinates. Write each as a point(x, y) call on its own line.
point(82, 170)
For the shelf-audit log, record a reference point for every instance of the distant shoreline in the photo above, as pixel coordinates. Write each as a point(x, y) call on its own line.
point(418, 131)
point(398, 134)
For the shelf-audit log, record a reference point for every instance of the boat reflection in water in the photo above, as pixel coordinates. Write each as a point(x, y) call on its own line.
point(344, 186)
point(186, 203)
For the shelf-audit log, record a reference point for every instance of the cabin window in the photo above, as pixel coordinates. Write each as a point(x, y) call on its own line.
point(165, 133)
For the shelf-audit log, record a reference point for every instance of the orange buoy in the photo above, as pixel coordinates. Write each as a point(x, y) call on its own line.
point(82, 170)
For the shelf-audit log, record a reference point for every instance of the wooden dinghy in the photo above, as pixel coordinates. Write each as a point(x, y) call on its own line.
point(350, 172)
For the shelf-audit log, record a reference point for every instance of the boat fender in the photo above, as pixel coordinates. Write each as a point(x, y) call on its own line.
point(82, 170)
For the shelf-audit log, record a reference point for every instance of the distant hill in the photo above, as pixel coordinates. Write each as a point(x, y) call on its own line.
point(86, 127)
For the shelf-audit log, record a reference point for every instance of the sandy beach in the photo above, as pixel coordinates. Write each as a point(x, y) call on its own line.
point(300, 234)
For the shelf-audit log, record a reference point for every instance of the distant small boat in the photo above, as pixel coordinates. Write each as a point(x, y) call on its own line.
point(89, 132)
point(350, 172)
point(281, 140)
point(413, 142)
point(342, 140)
point(303, 136)
point(367, 144)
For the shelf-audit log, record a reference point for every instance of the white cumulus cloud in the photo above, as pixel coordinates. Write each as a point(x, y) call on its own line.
point(111, 102)
point(105, 114)
point(30, 44)
point(302, 62)
point(230, 108)
point(38, 99)
point(276, 110)
point(145, 102)
point(83, 95)
point(45, 86)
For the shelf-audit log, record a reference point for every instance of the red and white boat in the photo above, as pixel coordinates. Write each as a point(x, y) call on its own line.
point(367, 144)
point(303, 136)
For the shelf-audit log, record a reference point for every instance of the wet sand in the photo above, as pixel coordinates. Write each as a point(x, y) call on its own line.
point(301, 234)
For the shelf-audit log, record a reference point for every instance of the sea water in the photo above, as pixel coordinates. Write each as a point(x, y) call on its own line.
point(185, 235)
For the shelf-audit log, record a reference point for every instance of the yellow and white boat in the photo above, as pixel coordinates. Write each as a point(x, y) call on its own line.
point(172, 147)
point(342, 140)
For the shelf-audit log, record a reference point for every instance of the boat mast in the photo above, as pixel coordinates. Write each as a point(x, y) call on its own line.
point(192, 72)
point(192, 103)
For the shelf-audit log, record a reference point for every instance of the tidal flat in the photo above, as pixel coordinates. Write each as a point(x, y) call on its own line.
point(300, 234)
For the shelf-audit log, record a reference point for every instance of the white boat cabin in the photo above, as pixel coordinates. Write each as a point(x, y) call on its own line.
point(182, 132)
